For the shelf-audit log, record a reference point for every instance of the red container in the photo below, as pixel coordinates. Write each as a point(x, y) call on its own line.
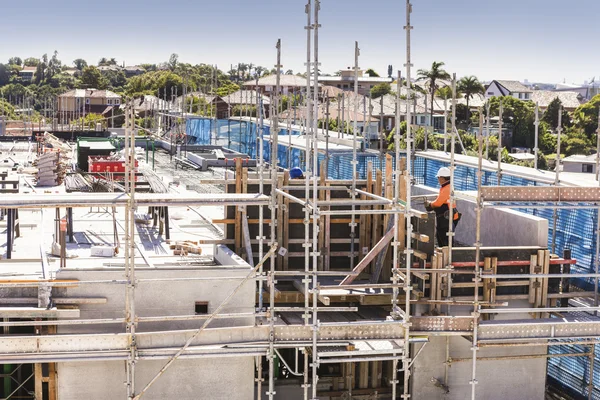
point(98, 164)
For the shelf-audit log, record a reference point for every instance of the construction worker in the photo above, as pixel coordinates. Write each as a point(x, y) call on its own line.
point(441, 206)
point(296, 173)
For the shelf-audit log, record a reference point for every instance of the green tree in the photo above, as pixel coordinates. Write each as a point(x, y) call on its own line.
point(116, 79)
point(80, 64)
point(586, 116)
point(173, 60)
point(546, 140)
point(381, 89)
point(431, 77)
point(4, 75)
point(15, 61)
point(155, 82)
point(31, 62)
point(470, 86)
point(371, 72)
point(227, 89)
point(551, 115)
point(92, 78)
point(518, 115)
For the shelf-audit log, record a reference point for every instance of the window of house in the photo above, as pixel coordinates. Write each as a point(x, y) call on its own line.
point(588, 168)
point(490, 93)
point(339, 86)
point(109, 102)
point(422, 120)
point(117, 101)
point(201, 307)
point(87, 101)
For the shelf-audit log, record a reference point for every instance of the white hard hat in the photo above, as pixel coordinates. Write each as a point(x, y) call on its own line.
point(443, 172)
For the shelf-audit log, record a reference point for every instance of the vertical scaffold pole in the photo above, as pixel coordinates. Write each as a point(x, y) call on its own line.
point(478, 207)
point(537, 131)
point(273, 207)
point(451, 209)
point(407, 214)
point(261, 189)
point(307, 167)
point(354, 156)
point(557, 177)
point(499, 172)
point(315, 216)
point(129, 244)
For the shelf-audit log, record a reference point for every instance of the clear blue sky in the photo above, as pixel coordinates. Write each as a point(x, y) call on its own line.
point(540, 40)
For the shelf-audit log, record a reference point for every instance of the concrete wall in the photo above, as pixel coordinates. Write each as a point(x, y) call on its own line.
point(497, 379)
point(499, 226)
point(194, 378)
point(186, 379)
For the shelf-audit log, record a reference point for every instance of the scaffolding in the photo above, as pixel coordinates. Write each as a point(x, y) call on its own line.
point(450, 278)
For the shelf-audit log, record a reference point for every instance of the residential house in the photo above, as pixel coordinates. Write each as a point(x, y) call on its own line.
point(72, 71)
point(247, 98)
point(515, 89)
point(345, 81)
point(290, 84)
point(27, 74)
point(587, 90)
point(570, 99)
point(148, 104)
point(221, 107)
point(133, 71)
point(109, 68)
point(579, 163)
point(77, 103)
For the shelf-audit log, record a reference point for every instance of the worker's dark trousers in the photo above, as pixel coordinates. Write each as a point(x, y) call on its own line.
point(441, 230)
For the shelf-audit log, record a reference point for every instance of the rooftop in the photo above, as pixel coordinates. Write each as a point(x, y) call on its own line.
point(513, 86)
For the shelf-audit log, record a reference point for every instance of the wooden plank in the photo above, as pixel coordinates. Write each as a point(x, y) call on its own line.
point(376, 374)
point(238, 215)
point(546, 270)
point(363, 375)
point(37, 369)
point(487, 267)
point(532, 291)
point(434, 283)
point(379, 247)
point(539, 281)
point(386, 271)
point(321, 236)
point(280, 224)
point(286, 223)
point(420, 237)
point(377, 229)
point(246, 235)
point(494, 281)
point(52, 394)
point(369, 218)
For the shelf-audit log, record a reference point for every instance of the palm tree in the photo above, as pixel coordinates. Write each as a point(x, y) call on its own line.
point(470, 86)
point(431, 76)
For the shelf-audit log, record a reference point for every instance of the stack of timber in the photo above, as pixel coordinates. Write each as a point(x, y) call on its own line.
point(77, 183)
point(185, 247)
point(52, 168)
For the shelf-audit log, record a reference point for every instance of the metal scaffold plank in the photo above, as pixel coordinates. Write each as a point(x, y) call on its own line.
point(536, 193)
point(568, 327)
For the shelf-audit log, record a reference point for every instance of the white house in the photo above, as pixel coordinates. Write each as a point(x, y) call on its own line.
point(579, 163)
point(508, 88)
